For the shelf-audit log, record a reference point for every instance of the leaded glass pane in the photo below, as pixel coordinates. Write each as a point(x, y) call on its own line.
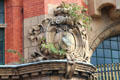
point(94, 54)
point(115, 60)
point(114, 45)
point(94, 60)
point(115, 54)
point(100, 60)
point(108, 60)
point(119, 45)
point(100, 52)
point(106, 44)
point(108, 51)
point(118, 38)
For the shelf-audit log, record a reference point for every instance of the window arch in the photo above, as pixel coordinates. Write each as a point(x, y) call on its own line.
point(107, 52)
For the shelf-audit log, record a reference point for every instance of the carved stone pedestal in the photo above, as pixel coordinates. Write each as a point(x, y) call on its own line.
point(48, 70)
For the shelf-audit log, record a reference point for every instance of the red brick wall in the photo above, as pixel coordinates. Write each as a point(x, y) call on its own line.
point(57, 2)
point(33, 8)
point(40, 7)
point(13, 31)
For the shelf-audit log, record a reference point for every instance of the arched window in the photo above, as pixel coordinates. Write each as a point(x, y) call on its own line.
point(2, 21)
point(107, 52)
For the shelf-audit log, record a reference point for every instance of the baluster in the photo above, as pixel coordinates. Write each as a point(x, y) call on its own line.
point(119, 70)
point(97, 70)
point(100, 72)
point(110, 72)
point(103, 71)
point(116, 68)
point(106, 72)
point(113, 71)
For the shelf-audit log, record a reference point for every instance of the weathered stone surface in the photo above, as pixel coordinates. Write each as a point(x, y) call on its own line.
point(99, 25)
point(28, 23)
point(48, 70)
point(117, 4)
point(26, 55)
point(94, 6)
point(61, 31)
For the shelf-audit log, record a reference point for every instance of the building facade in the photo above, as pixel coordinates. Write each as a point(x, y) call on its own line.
point(18, 16)
point(25, 14)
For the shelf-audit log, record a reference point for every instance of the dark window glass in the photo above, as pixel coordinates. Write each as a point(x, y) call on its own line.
point(108, 53)
point(100, 52)
point(94, 60)
point(1, 18)
point(100, 60)
point(106, 44)
point(108, 60)
point(1, 46)
point(94, 54)
point(1, 11)
point(114, 45)
point(1, 58)
point(118, 38)
point(115, 61)
point(115, 54)
point(119, 45)
point(1, 32)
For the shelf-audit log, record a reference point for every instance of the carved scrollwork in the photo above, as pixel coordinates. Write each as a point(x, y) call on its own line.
point(63, 33)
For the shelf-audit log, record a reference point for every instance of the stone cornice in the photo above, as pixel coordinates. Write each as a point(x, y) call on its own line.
point(44, 68)
point(3, 25)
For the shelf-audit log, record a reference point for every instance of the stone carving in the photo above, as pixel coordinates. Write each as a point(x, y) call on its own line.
point(64, 33)
point(114, 13)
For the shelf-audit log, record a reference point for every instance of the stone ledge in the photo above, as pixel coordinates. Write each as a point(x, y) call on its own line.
point(3, 25)
point(47, 67)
